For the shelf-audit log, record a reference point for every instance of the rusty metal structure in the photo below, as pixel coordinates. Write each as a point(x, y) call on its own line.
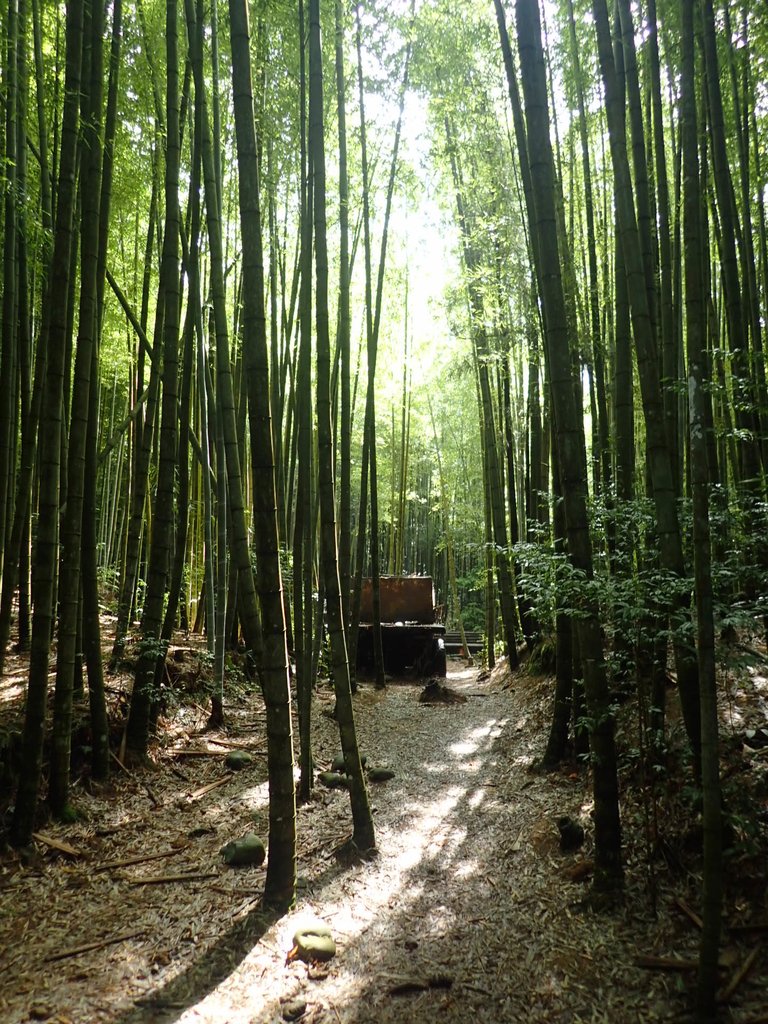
point(411, 637)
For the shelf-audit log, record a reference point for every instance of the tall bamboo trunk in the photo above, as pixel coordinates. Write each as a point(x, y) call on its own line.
point(50, 445)
point(303, 531)
point(696, 315)
point(569, 428)
point(247, 606)
point(280, 886)
point(152, 648)
point(8, 333)
point(343, 337)
point(668, 333)
point(363, 836)
point(71, 527)
point(492, 464)
point(658, 452)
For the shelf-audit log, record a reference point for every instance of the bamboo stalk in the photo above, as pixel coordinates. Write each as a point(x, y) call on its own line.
point(127, 861)
point(739, 975)
point(210, 787)
point(89, 947)
point(195, 876)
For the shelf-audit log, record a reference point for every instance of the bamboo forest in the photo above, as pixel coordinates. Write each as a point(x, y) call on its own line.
point(384, 511)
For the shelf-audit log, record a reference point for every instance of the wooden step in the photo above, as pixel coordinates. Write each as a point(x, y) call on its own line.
point(453, 642)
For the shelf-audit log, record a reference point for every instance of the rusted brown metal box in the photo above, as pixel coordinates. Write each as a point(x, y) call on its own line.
point(403, 599)
point(412, 640)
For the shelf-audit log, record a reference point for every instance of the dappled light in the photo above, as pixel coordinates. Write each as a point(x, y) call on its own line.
point(383, 512)
point(426, 842)
point(469, 884)
point(13, 688)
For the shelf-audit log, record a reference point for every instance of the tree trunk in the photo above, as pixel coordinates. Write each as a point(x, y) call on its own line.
point(363, 836)
point(303, 534)
point(343, 337)
point(8, 333)
point(71, 527)
point(481, 349)
point(50, 445)
point(564, 705)
point(696, 315)
point(670, 355)
point(140, 478)
point(247, 607)
point(280, 886)
point(659, 460)
point(152, 648)
point(570, 447)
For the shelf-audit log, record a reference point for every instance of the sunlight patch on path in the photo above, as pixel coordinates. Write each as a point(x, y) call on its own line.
point(424, 829)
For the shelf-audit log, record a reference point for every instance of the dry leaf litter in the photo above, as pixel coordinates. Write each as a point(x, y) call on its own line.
point(468, 914)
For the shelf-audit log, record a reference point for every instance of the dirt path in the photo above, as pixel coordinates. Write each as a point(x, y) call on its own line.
point(466, 915)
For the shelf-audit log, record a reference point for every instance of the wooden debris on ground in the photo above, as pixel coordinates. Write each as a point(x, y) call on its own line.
point(673, 963)
point(741, 973)
point(183, 876)
point(411, 985)
point(581, 871)
point(193, 752)
point(436, 692)
point(56, 844)
point(147, 788)
point(90, 947)
point(231, 745)
point(689, 912)
point(140, 859)
point(204, 790)
point(478, 922)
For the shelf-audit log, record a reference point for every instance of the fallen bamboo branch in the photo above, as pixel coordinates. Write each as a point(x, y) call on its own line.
point(56, 844)
point(193, 876)
point(11, 963)
point(237, 746)
point(244, 908)
point(671, 963)
point(224, 891)
point(89, 947)
point(130, 775)
point(739, 975)
point(689, 912)
point(211, 786)
point(120, 764)
point(197, 753)
point(741, 929)
point(317, 848)
point(150, 794)
point(128, 861)
point(666, 963)
point(421, 985)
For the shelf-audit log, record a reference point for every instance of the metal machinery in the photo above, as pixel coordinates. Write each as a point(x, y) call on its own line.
point(412, 640)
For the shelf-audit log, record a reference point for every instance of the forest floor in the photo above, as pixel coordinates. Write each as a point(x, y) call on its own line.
point(470, 911)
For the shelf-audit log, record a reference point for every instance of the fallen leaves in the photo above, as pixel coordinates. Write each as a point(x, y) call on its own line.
point(467, 914)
